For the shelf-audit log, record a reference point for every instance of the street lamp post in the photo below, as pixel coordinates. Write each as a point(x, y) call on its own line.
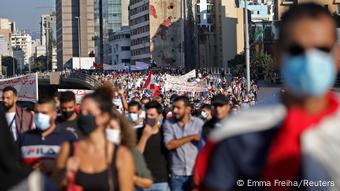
point(79, 40)
point(247, 45)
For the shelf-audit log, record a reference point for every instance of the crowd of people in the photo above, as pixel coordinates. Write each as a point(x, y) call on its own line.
point(121, 137)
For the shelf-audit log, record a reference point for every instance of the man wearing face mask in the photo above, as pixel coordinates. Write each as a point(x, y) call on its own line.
point(135, 114)
point(69, 117)
point(294, 140)
point(40, 146)
point(151, 144)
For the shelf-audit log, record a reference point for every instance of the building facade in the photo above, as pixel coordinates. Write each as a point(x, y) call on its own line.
point(163, 33)
point(75, 29)
point(7, 28)
point(22, 43)
point(4, 48)
point(120, 44)
point(49, 28)
point(221, 36)
point(109, 17)
point(20, 56)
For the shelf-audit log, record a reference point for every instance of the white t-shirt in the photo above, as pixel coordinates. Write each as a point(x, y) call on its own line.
point(9, 117)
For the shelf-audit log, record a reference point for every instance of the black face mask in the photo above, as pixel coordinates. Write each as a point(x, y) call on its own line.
point(67, 114)
point(86, 123)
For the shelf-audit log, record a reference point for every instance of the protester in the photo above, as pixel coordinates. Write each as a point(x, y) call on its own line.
point(293, 141)
point(18, 120)
point(181, 137)
point(95, 163)
point(135, 114)
point(151, 144)
point(120, 131)
point(40, 146)
point(220, 111)
point(206, 113)
point(14, 175)
point(69, 117)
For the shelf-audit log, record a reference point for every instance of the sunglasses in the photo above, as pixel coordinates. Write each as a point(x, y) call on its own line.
point(296, 49)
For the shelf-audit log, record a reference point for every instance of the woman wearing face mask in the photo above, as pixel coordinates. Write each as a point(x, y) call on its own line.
point(95, 163)
point(120, 131)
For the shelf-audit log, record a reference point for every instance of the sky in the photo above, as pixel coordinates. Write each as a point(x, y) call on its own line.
point(26, 13)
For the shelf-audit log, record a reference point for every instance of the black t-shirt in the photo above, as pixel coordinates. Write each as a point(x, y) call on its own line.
point(156, 156)
point(208, 127)
point(71, 126)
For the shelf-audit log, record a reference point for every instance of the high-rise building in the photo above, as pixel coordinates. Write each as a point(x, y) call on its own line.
point(73, 16)
point(4, 48)
point(120, 45)
point(49, 39)
point(7, 28)
point(22, 43)
point(220, 32)
point(109, 16)
point(163, 33)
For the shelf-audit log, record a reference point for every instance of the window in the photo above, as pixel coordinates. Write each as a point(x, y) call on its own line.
point(125, 60)
point(125, 48)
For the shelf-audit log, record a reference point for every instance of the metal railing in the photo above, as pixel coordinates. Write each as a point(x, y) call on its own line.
point(75, 75)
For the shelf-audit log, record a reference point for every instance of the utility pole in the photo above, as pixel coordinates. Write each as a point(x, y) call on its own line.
point(247, 45)
point(79, 40)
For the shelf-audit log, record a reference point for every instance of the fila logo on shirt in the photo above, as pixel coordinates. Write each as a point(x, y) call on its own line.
point(38, 151)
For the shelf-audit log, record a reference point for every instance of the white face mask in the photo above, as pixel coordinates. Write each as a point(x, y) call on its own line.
point(113, 135)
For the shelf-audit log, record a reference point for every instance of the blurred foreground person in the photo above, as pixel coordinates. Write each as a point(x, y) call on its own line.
point(293, 145)
point(95, 163)
point(19, 121)
point(13, 175)
point(40, 146)
point(120, 131)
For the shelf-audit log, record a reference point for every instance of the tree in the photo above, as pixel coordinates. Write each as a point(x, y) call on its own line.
point(39, 64)
point(7, 61)
point(263, 64)
point(237, 63)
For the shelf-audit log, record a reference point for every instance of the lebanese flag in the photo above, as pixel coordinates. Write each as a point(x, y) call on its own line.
point(151, 85)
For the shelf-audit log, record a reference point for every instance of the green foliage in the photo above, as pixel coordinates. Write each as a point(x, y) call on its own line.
point(263, 63)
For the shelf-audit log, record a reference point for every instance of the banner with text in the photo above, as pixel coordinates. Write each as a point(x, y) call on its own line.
point(26, 86)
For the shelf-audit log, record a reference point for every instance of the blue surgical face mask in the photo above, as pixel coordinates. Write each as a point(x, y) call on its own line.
point(204, 115)
point(42, 121)
point(133, 117)
point(310, 74)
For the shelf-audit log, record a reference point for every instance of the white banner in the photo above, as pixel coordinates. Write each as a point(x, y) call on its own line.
point(26, 86)
point(186, 86)
point(183, 78)
point(78, 92)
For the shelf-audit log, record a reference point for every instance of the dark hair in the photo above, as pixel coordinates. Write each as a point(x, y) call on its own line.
point(154, 105)
point(301, 11)
point(134, 103)
point(47, 100)
point(67, 97)
point(10, 88)
point(206, 106)
point(185, 99)
point(103, 96)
